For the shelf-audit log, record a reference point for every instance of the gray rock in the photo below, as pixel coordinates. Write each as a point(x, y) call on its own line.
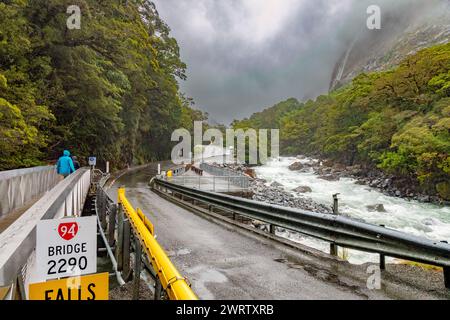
point(423, 198)
point(296, 166)
point(376, 208)
point(302, 189)
point(330, 177)
point(430, 221)
point(276, 184)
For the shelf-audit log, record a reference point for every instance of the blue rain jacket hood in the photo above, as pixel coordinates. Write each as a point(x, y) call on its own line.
point(65, 164)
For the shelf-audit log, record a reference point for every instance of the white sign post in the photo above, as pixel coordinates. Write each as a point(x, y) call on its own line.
point(66, 247)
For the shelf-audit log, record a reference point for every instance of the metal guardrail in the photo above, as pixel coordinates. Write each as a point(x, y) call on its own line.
point(237, 179)
point(18, 241)
point(337, 230)
point(212, 183)
point(19, 187)
point(172, 282)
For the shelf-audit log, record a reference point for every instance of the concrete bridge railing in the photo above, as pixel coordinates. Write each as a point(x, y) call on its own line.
point(20, 187)
point(18, 241)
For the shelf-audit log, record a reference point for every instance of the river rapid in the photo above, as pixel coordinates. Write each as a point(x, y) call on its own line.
point(420, 219)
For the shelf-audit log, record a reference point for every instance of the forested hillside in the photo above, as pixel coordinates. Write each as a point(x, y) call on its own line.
point(397, 120)
point(108, 89)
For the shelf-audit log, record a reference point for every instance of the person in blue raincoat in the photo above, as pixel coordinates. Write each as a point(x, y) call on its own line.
point(65, 164)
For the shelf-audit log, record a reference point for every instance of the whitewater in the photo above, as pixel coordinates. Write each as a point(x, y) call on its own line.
point(421, 219)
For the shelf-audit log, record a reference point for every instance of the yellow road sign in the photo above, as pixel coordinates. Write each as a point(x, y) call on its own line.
point(90, 287)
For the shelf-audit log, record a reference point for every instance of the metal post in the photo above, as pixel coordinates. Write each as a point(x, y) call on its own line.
point(382, 257)
point(447, 277)
point(104, 221)
point(126, 249)
point(228, 184)
point(272, 229)
point(333, 246)
point(103, 201)
point(107, 166)
point(335, 204)
point(158, 289)
point(99, 203)
point(119, 246)
point(214, 183)
point(112, 224)
point(446, 273)
point(137, 269)
point(21, 287)
point(333, 249)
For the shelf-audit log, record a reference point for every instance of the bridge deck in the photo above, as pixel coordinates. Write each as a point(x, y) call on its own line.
point(226, 263)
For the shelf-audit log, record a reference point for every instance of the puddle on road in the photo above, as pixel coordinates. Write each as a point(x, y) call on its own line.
point(177, 253)
point(324, 275)
point(202, 275)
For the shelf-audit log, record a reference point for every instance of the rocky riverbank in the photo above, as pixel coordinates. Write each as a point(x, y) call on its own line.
point(275, 194)
point(388, 184)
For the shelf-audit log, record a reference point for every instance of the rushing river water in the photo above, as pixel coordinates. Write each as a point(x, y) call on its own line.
point(421, 219)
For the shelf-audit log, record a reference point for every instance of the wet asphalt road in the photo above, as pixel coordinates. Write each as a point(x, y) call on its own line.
point(224, 262)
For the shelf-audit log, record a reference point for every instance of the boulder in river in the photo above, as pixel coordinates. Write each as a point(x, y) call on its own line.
point(276, 184)
point(376, 208)
point(296, 166)
point(430, 221)
point(330, 177)
point(302, 189)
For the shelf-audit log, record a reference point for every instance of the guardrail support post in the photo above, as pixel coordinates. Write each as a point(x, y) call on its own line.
point(112, 224)
point(126, 249)
point(137, 269)
point(21, 287)
point(99, 203)
point(119, 246)
point(335, 204)
point(333, 249)
point(272, 229)
point(158, 289)
point(103, 209)
point(447, 277)
point(382, 257)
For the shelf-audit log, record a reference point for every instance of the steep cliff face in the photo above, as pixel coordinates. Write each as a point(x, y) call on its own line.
point(400, 36)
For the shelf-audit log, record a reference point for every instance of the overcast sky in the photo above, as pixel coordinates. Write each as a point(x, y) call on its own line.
point(245, 55)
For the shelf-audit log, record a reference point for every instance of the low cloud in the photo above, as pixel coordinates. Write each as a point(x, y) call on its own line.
point(244, 55)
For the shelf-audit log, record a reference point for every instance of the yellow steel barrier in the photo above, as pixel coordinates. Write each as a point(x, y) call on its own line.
point(146, 221)
point(175, 285)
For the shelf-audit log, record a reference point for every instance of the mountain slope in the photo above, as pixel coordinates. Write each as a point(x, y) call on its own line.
point(400, 36)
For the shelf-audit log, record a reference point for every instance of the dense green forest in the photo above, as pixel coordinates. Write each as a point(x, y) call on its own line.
point(108, 89)
point(396, 120)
